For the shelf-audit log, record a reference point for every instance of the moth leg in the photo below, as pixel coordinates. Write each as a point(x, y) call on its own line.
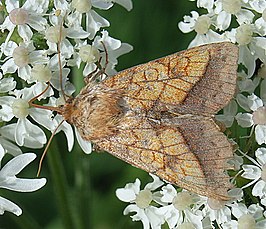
point(96, 148)
point(99, 71)
point(106, 58)
point(94, 74)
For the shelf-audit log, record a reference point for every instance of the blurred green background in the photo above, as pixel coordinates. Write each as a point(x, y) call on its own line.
point(80, 189)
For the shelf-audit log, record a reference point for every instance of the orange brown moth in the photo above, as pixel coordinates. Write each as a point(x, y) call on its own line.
point(159, 116)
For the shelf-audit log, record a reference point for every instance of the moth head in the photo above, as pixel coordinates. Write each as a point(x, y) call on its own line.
point(94, 113)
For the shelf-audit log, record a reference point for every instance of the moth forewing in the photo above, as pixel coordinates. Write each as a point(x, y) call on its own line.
point(158, 116)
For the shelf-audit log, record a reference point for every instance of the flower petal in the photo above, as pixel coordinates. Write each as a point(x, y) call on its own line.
point(15, 165)
point(261, 155)
point(85, 145)
point(9, 66)
point(223, 20)
point(244, 120)
point(260, 134)
point(95, 22)
point(126, 195)
point(10, 147)
point(7, 84)
point(11, 4)
point(243, 102)
point(254, 102)
point(7, 205)
point(25, 32)
point(68, 131)
point(133, 187)
point(251, 172)
point(23, 185)
point(127, 4)
point(155, 184)
point(259, 189)
point(29, 135)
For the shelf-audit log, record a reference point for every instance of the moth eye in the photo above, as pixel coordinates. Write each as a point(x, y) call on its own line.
point(123, 105)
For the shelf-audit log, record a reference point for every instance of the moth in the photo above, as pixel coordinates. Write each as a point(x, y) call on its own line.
point(159, 116)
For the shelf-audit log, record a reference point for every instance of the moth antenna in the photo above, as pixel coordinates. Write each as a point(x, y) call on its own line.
point(37, 96)
point(60, 63)
point(58, 110)
point(47, 146)
point(106, 58)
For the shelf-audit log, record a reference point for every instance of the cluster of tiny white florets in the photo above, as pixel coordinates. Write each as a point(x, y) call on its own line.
point(31, 32)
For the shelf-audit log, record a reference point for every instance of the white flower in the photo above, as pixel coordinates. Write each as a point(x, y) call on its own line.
point(58, 33)
point(257, 118)
point(19, 58)
point(6, 84)
point(85, 53)
point(114, 47)
point(236, 162)
point(245, 84)
point(247, 217)
point(207, 4)
point(90, 54)
point(226, 8)
point(140, 202)
point(60, 13)
point(201, 25)
point(93, 20)
point(68, 131)
point(257, 173)
point(29, 15)
point(260, 7)
point(263, 91)
point(41, 73)
point(219, 211)
point(25, 132)
point(177, 209)
point(251, 46)
point(6, 142)
point(228, 115)
point(8, 180)
point(102, 4)
point(263, 202)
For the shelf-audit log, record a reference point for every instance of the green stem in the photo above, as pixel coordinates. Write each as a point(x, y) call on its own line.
point(60, 186)
point(83, 189)
point(81, 167)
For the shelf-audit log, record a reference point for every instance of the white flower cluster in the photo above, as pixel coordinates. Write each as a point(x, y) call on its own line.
point(159, 204)
point(242, 22)
point(42, 40)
